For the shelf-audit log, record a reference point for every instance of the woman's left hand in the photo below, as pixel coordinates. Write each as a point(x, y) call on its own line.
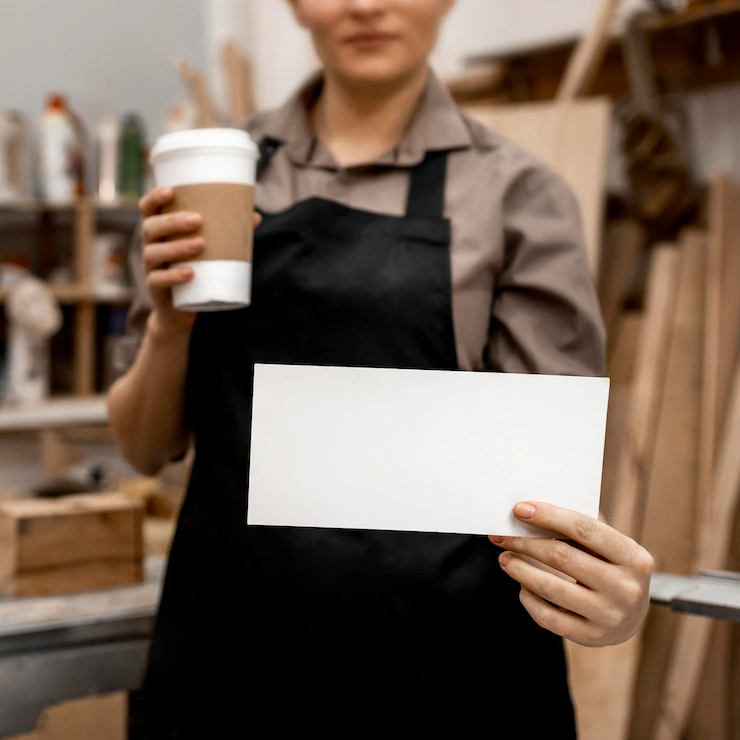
point(611, 597)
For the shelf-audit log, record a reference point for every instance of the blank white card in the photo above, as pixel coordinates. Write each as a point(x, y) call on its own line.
point(424, 451)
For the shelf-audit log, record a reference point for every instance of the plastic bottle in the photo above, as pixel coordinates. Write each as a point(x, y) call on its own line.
point(58, 153)
point(131, 157)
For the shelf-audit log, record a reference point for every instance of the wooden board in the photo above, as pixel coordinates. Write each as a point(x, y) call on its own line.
point(600, 696)
point(645, 398)
point(603, 680)
point(70, 579)
point(624, 241)
point(98, 718)
point(670, 516)
point(574, 140)
point(694, 635)
point(626, 339)
point(586, 59)
point(85, 343)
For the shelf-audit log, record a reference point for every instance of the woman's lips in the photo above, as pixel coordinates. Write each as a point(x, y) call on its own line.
point(370, 41)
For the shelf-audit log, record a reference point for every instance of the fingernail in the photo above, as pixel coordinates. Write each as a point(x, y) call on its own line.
point(524, 511)
point(195, 246)
point(192, 219)
point(185, 272)
point(497, 540)
point(505, 558)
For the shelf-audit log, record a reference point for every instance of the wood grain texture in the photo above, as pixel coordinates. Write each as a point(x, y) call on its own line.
point(624, 241)
point(45, 544)
point(95, 718)
point(694, 635)
point(574, 140)
point(84, 349)
point(650, 375)
point(626, 339)
point(586, 59)
point(611, 672)
point(669, 527)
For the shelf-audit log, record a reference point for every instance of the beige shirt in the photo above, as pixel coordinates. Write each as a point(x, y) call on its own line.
point(523, 298)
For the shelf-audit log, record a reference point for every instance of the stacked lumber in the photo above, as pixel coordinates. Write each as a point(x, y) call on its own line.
point(672, 471)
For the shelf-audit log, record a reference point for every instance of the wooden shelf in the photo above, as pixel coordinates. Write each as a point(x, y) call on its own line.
point(679, 52)
point(54, 414)
point(74, 294)
point(39, 206)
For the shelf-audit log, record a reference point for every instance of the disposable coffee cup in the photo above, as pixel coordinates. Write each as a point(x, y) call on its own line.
point(212, 172)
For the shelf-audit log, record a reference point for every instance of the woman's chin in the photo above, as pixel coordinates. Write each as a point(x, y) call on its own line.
point(376, 73)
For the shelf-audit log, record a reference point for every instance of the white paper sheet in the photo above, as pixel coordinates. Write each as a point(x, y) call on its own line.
point(423, 451)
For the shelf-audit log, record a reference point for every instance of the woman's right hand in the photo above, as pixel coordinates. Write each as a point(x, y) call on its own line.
point(168, 239)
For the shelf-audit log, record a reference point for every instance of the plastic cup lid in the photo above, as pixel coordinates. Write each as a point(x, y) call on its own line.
point(206, 138)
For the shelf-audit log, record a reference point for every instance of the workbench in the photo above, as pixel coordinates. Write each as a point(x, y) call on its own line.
point(67, 647)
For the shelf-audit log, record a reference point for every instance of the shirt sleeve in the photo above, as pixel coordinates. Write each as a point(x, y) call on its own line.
point(546, 316)
point(141, 307)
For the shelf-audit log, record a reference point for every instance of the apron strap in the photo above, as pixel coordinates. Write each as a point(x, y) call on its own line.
point(427, 187)
point(268, 146)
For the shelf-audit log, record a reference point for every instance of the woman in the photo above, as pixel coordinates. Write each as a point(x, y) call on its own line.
point(395, 232)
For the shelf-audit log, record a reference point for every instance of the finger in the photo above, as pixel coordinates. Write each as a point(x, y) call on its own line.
point(569, 626)
point(161, 253)
point(257, 219)
point(151, 202)
point(161, 279)
point(585, 568)
point(596, 536)
point(571, 596)
point(157, 228)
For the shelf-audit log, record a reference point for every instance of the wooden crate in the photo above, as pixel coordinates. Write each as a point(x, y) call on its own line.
point(75, 543)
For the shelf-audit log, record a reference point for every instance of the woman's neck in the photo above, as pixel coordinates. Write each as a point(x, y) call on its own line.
point(358, 125)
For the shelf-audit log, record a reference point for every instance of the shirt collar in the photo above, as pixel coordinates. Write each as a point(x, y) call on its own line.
point(437, 125)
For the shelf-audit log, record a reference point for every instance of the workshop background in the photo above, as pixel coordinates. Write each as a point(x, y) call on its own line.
point(636, 103)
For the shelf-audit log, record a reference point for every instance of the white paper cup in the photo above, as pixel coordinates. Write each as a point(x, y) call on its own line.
point(213, 172)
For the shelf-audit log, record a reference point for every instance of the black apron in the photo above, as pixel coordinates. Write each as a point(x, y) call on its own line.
point(279, 629)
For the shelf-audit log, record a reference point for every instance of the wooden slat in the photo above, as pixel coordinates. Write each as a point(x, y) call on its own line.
point(693, 637)
point(605, 678)
point(574, 140)
point(84, 349)
point(670, 516)
point(584, 63)
point(650, 374)
point(623, 242)
point(621, 372)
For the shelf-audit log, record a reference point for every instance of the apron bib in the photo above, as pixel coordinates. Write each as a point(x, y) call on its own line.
point(335, 630)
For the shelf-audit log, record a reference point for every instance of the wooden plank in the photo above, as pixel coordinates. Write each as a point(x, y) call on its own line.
point(670, 515)
point(624, 240)
point(239, 78)
point(650, 374)
point(98, 718)
point(626, 339)
point(84, 229)
point(710, 716)
point(693, 636)
point(585, 62)
point(49, 533)
point(573, 140)
point(84, 349)
point(600, 697)
point(75, 578)
point(606, 677)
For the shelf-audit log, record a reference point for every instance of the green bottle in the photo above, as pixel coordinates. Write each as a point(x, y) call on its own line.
point(131, 158)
